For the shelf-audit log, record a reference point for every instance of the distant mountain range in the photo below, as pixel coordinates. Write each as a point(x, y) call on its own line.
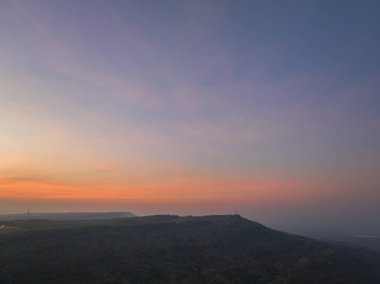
point(66, 216)
point(172, 249)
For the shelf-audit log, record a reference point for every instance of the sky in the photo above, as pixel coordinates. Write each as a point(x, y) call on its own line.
point(193, 107)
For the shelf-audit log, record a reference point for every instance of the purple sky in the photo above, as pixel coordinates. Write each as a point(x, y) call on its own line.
point(193, 107)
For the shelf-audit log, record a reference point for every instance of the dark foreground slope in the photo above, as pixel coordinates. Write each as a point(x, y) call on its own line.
point(170, 249)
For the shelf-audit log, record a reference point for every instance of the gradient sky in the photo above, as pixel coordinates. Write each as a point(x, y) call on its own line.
point(193, 107)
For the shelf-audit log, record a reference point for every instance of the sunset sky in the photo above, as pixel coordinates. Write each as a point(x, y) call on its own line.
point(192, 107)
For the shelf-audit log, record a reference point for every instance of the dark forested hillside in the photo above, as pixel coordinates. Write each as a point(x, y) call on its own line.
point(171, 249)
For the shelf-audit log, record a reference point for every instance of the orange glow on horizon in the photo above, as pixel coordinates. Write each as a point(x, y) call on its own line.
point(176, 190)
